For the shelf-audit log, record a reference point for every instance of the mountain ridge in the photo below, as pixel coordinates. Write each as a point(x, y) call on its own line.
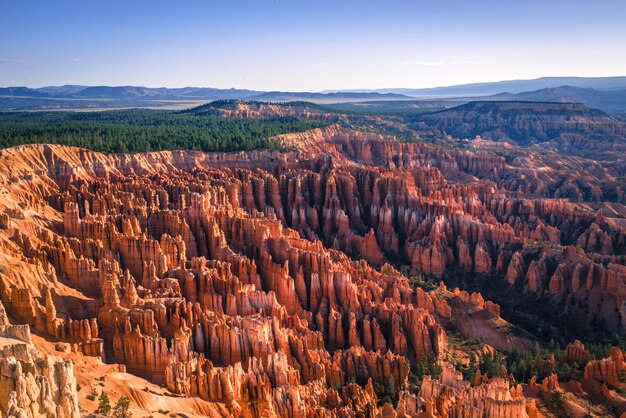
point(129, 91)
point(495, 87)
point(607, 100)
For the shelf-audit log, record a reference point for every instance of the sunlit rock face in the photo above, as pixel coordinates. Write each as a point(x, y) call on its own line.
point(270, 282)
point(33, 384)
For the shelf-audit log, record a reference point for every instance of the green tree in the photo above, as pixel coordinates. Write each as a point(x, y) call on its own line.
point(141, 130)
point(121, 408)
point(104, 406)
point(386, 393)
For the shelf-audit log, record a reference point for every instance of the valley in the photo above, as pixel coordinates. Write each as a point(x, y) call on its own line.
point(341, 271)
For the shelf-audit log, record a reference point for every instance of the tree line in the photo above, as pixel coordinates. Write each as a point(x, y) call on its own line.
point(142, 130)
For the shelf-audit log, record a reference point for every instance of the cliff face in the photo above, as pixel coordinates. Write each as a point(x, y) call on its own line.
point(33, 384)
point(450, 395)
point(526, 122)
point(240, 109)
point(266, 281)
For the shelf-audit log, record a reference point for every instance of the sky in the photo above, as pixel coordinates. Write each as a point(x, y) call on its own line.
point(307, 45)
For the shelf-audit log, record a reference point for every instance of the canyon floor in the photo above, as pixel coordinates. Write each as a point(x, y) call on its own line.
point(349, 273)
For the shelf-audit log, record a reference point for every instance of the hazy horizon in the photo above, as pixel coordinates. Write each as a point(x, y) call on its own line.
point(307, 91)
point(303, 46)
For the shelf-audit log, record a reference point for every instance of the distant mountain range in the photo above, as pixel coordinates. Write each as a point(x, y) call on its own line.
point(278, 96)
point(607, 100)
point(128, 92)
point(605, 93)
point(509, 86)
point(199, 93)
point(75, 97)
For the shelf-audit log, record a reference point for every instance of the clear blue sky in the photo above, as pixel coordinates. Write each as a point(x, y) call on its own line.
point(307, 45)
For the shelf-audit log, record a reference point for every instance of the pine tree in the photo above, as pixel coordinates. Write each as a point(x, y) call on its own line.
point(104, 407)
point(121, 408)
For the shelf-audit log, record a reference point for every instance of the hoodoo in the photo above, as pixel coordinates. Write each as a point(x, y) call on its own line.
point(307, 285)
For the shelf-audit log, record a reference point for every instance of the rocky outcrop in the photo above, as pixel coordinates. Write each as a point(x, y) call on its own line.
point(239, 109)
point(450, 395)
point(523, 122)
point(515, 271)
point(575, 353)
point(82, 334)
point(32, 384)
point(607, 369)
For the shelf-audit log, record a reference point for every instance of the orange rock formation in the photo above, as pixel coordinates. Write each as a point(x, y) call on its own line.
point(266, 281)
